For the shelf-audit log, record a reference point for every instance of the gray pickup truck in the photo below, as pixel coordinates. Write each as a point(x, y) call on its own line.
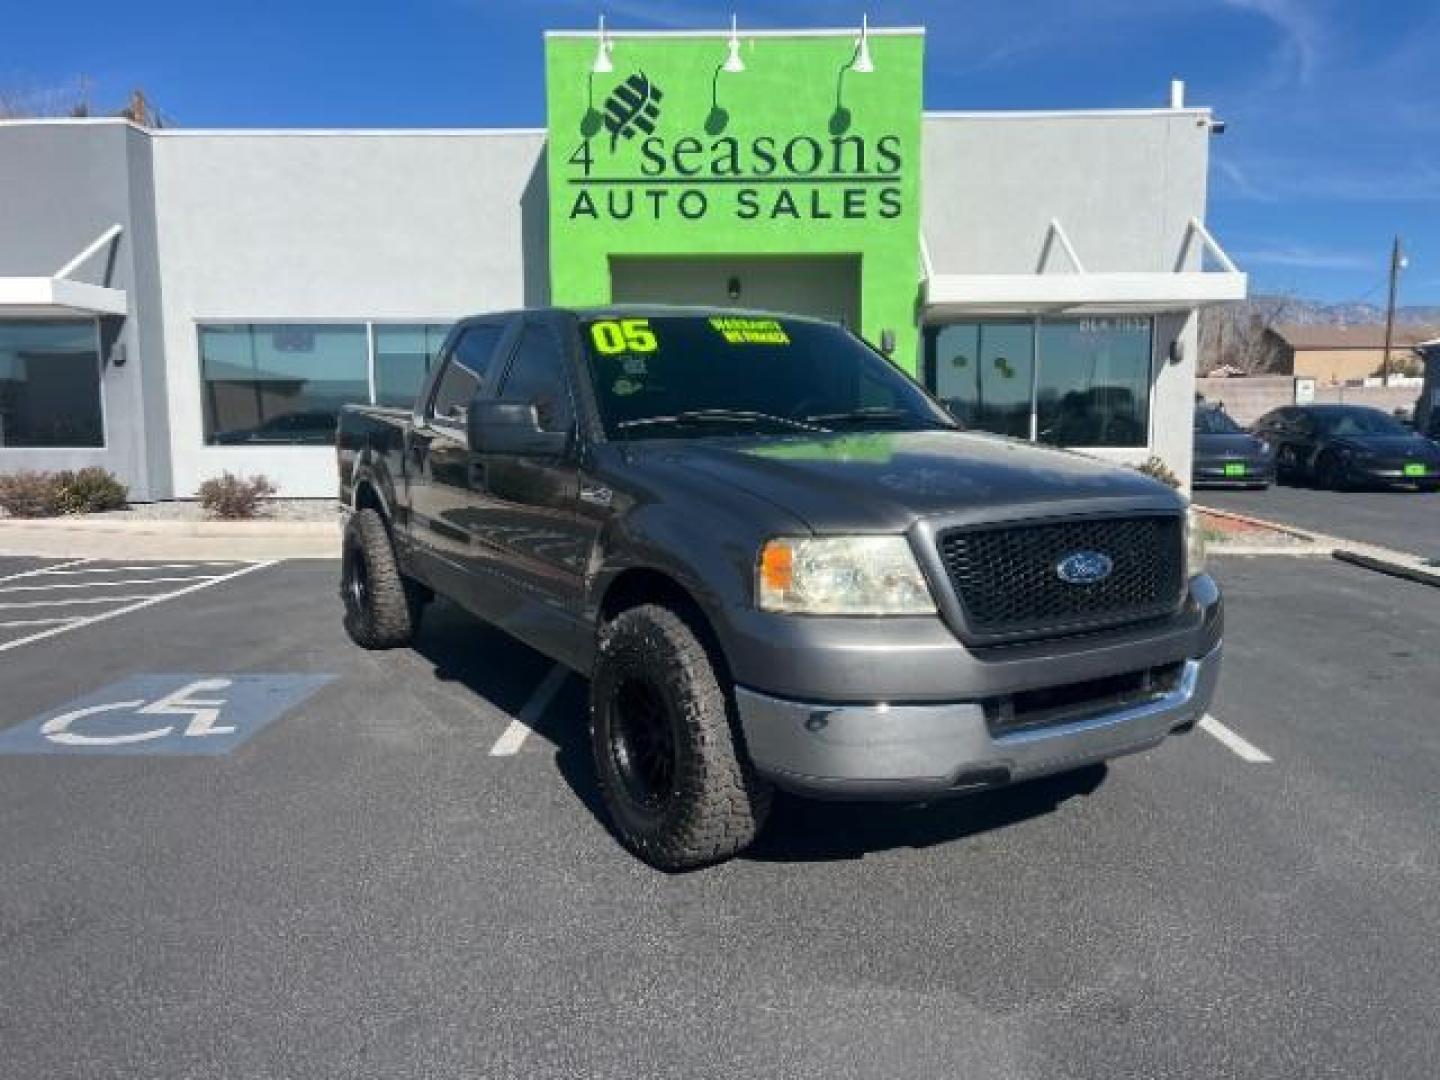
point(778, 561)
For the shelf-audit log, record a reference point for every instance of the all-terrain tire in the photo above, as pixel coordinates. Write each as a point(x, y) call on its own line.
point(382, 610)
point(711, 804)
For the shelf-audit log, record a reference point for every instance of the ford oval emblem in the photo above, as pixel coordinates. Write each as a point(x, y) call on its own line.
point(1084, 567)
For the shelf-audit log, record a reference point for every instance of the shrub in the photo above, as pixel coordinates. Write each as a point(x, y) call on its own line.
point(90, 491)
point(1158, 470)
point(234, 498)
point(30, 494)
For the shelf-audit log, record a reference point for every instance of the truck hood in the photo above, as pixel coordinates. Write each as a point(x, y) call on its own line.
point(884, 481)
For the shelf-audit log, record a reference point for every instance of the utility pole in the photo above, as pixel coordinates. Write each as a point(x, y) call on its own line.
point(1397, 263)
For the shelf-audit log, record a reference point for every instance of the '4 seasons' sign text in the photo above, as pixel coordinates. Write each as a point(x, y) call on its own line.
point(623, 170)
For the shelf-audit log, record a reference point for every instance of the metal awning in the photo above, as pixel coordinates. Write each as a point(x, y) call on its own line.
point(58, 295)
point(1081, 290)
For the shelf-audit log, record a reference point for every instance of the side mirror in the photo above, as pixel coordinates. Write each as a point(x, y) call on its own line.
point(511, 427)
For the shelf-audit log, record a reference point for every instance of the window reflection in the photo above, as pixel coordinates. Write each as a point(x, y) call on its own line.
point(404, 355)
point(984, 373)
point(281, 383)
point(50, 384)
point(1094, 385)
point(1071, 382)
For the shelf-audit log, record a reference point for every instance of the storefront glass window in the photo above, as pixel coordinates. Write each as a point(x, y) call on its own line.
point(984, 373)
point(50, 384)
point(1094, 384)
point(1086, 382)
point(281, 383)
point(404, 355)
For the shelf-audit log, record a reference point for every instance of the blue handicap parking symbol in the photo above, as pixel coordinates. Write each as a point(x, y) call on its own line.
point(163, 714)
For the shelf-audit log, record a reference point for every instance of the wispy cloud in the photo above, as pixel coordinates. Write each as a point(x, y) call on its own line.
point(1303, 33)
point(1238, 182)
point(1314, 177)
point(1304, 258)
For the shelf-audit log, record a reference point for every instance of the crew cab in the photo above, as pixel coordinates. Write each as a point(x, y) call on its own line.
point(778, 561)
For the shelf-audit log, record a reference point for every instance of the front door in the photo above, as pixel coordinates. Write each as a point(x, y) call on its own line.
point(446, 489)
point(531, 535)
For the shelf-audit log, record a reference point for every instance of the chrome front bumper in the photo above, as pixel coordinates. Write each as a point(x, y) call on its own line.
point(925, 751)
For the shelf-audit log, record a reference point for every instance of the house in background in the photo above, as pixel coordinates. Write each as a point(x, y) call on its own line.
point(1344, 354)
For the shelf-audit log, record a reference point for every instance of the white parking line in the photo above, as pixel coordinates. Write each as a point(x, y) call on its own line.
point(117, 569)
point(514, 736)
point(141, 602)
point(67, 603)
point(1245, 750)
point(36, 622)
point(44, 569)
point(102, 584)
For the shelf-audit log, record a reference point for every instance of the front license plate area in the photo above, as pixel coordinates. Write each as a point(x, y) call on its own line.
point(1414, 468)
point(1235, 468)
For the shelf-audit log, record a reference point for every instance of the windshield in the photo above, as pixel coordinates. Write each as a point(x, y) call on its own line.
point(1215, 422)
point(702, 375)
point(1360, 422)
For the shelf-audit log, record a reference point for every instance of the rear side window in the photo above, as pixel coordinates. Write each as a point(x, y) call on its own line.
point(465, 371)
point(537, 377)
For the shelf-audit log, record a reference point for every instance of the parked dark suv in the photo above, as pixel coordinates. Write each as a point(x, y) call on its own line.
point(778, 561)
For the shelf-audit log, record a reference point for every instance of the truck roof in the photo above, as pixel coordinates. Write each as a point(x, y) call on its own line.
point(602, 311)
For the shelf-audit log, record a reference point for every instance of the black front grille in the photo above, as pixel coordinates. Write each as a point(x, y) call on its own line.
point(1008, 583)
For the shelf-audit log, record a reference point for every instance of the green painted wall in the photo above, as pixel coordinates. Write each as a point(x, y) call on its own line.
point(787, 157)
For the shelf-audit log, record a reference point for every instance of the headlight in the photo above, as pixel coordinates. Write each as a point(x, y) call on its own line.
point(848, 575)
point(1194, 544)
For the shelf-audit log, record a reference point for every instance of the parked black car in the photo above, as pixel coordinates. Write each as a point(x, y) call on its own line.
point(1226, 454)
point(1339, 445)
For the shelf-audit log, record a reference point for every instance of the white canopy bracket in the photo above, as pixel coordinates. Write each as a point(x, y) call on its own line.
point(106, 237)
point(58, 294)
point(1055, 232)
point(1208, 242)
point(1085, 290)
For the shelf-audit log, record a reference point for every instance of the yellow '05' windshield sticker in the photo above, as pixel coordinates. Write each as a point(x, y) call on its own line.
point(751, 331)
point(615, 336)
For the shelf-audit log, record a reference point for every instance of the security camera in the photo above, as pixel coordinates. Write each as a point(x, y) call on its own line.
point(1217, 127)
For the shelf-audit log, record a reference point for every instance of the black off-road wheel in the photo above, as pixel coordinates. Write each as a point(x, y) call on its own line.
point(672, 771)
point(382, 608)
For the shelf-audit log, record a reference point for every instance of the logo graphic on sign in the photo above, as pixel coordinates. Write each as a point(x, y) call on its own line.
point(632, 106)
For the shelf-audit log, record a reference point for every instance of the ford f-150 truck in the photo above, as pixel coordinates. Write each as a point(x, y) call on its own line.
point(779, 563)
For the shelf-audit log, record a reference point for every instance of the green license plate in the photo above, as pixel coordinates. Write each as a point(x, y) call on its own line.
point(1234, 468)
point(1415, 468)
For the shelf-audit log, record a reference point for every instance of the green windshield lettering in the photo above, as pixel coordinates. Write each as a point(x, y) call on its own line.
point(738, 331)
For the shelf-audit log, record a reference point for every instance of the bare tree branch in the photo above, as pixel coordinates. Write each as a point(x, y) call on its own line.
point(1236, 335)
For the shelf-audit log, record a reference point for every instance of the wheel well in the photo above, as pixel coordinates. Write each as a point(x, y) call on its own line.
point(632, 588)
point(367, 498)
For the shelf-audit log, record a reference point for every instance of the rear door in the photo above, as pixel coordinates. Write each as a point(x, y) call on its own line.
point(446, 496)
point(530, 533)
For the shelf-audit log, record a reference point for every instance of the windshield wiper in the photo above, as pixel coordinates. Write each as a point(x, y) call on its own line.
point(876, 413)
point(718, 416)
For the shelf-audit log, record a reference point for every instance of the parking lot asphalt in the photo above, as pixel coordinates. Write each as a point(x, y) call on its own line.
point(365, 888)
point(1400, 519)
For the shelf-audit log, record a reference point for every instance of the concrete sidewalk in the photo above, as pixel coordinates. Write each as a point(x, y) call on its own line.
point(98, 537)
point(1370, 556)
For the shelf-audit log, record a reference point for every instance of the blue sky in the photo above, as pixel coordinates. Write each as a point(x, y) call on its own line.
point(1333, 106)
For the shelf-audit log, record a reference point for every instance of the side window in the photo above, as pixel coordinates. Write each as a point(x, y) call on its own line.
point(537, 377)
point(465, 372)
